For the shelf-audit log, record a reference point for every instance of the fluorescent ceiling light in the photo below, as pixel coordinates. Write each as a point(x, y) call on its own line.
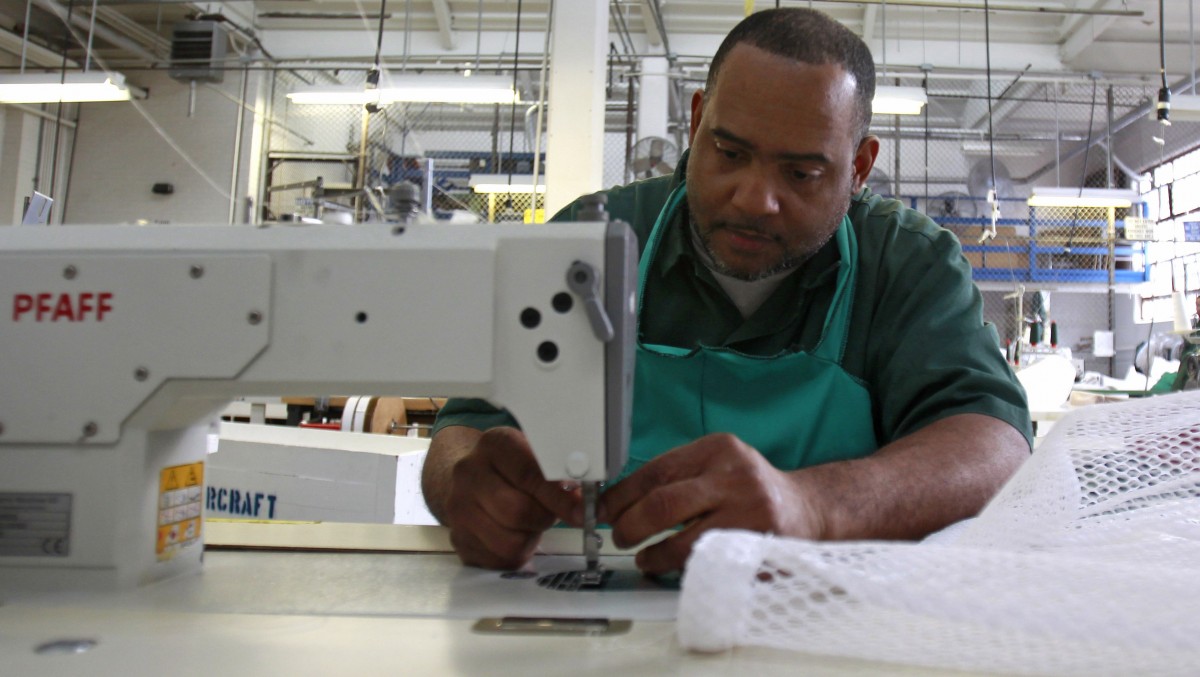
point(501, 183)
point(1086, 197)
point(67, 87)
point(334, 95)
point(414, 88)
point(448, 89)
point(898, 100)
point(1006, 148)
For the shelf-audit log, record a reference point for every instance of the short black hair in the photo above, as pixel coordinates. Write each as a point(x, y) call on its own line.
point(807, 36)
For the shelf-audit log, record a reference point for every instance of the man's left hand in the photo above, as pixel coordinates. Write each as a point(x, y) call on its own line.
point(715, 482)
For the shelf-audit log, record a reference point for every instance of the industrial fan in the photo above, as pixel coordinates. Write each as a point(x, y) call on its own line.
point(979, 179)
point(879, 182)
point(951, 204)
point(652, 156)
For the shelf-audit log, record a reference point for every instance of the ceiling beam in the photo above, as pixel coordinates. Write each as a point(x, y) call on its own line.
point(1002, 108)
point(1079, 32)
point(868, 31)
point(653, 37)
point(82, 23)
point(130, 28)
point(441, 10)
point(35, 55)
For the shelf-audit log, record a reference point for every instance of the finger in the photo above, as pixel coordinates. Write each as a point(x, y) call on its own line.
point(663, 508)
point(485, 543)
point(508, 450)
point(670, 554)
point(482, 490)
point(516, 510)
point(679, 463)
point(564, 502)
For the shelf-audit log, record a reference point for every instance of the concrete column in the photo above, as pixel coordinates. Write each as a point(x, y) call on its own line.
point(575, 120)
point(19, 144)
point(255, 156)
point(653, 98)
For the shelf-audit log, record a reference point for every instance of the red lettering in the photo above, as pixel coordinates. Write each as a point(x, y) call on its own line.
point(85, 304)
point(63, 309)
point(22, 303)
point(104, 305)
point(43, 306)
point(58, 306)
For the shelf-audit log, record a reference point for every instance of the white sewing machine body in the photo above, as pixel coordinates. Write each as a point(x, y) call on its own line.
point(121, 343)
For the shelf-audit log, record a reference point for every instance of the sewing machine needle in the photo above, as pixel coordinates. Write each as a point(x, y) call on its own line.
point(591, 539)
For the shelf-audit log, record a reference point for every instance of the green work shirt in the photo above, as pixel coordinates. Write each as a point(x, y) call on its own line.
point(917, 336)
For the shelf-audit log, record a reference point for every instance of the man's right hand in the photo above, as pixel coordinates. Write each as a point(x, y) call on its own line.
point(488, 489)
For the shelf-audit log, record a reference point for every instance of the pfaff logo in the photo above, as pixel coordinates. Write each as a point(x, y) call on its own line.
point(48, 307)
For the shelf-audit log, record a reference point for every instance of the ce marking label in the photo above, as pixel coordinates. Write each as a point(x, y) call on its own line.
point(56, 547)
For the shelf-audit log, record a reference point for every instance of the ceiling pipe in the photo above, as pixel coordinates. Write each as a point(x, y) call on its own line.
point(1129, 171)
point(35, 55)
point(660, 25)
point(1142, 112)
point(128, 27)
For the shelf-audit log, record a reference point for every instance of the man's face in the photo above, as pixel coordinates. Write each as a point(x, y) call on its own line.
point(775, 157)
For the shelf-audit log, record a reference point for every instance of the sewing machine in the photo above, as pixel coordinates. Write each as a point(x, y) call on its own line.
point(121, 344)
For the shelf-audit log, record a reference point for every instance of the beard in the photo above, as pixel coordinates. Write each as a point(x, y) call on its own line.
point(791, 255)
point(793, 251)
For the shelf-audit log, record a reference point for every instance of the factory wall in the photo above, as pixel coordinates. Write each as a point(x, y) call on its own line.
point(19, 133)
point(1129, 332)
point(36, 142)
point(123, 150)
point(1079, 314)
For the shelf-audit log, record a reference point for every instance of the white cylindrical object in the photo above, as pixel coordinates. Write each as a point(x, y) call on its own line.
point(1178, 302)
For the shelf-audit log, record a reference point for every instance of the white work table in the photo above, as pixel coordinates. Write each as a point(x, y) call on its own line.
point(319, 613)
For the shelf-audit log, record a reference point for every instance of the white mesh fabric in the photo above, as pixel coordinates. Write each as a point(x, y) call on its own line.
point(1087, 562)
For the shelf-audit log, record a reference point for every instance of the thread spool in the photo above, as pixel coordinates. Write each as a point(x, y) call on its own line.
point(1178, 301)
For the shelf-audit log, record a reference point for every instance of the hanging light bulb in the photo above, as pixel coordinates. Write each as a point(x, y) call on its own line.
point(1162, 107)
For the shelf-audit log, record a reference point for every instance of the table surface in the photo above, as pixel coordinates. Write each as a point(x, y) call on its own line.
point(319, 613)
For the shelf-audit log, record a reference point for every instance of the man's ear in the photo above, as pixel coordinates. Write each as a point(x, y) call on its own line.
point(864, 160)
point(697, 110)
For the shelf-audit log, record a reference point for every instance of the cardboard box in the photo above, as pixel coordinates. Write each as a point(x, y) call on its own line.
point(271, 472)
point(997, 259)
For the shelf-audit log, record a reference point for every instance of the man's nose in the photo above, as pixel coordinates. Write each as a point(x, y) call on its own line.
point(756, 193)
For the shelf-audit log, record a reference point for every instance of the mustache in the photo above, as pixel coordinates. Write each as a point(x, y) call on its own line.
point(750, 228)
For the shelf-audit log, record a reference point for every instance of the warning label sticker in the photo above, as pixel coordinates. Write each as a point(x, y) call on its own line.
point(35, 525)
point(180, 501)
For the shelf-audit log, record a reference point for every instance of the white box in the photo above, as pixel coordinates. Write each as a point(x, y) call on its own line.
point(271, 472)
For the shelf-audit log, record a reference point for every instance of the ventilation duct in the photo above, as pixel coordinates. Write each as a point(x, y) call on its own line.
point(197, 51)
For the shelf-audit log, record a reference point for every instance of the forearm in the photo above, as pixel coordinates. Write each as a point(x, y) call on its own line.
point(445, 449)
point(943, 473)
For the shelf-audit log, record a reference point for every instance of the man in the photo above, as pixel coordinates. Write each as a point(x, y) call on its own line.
point(1188, 376)
point(812, 360)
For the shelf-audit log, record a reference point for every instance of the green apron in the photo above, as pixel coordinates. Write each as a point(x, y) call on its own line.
point(797, 409)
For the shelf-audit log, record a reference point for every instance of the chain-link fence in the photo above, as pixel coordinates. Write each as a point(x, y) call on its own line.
point(1038, 134)
point(945, 162)
point(472, 162)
